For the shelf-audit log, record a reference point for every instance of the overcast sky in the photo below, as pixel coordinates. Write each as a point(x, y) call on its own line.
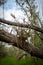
point(12, 7)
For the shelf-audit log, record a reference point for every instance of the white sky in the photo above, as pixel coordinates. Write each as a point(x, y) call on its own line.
point(11, 7)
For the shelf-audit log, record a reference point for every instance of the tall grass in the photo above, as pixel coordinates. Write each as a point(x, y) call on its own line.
point(14, 61)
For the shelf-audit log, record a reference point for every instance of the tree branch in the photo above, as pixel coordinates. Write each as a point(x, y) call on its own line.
point(16, 41)
point(34, 27)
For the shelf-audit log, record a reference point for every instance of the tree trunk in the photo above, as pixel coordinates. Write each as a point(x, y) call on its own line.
point(16, 41)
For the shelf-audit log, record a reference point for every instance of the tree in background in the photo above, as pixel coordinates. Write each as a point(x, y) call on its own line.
point(2, 2)
point(30, 9)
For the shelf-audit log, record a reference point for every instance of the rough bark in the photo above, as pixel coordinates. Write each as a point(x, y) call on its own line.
point(16, 41)
point(34, 27)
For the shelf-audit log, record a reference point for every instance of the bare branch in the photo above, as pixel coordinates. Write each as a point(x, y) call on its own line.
point(13, 16)
point(34, 27)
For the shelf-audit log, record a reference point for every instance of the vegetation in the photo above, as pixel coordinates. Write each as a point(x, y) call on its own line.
point(25, 61)
point(29, 37)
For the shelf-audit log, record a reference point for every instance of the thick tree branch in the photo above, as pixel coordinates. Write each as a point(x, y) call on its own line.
point(22, 25)
point(15, 41)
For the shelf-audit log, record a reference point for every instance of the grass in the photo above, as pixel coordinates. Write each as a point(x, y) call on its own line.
point(14, 61)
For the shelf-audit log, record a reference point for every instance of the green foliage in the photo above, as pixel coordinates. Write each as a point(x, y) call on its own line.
point(25, 61)
point(2, 50)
